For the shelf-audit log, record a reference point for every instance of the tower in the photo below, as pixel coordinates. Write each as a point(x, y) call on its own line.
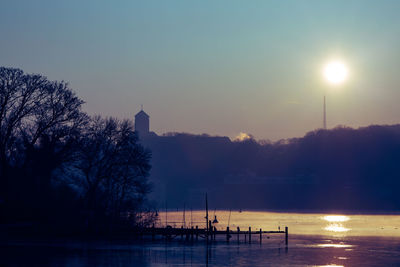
point(142, 122)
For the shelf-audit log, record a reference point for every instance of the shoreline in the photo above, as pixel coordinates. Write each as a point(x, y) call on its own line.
point(297, 211)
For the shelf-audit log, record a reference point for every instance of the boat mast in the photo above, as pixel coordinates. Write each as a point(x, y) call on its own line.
point(207, 213)
point(184, 215)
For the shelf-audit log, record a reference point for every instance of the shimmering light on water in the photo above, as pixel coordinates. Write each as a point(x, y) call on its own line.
point(334, 246)
point(336, 228)
point(336, 223)
point(336, 218)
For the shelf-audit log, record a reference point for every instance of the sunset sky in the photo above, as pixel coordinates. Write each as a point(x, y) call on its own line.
point(216, 67)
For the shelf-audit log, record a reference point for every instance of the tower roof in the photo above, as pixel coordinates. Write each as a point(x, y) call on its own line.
point(141, 114)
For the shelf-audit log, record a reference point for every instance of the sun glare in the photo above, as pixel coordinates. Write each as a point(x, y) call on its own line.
point(336, 228)
point(336, 218)
point(336, 72)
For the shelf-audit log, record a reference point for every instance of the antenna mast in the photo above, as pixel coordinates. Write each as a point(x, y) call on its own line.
point(324, 113)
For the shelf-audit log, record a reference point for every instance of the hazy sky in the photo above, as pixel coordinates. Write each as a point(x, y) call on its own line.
point(217, 67)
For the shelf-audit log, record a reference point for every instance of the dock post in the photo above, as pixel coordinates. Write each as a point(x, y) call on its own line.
point(182, 232)
point(260, 235)
point(215, 232)
point(286, 236)
point(197, 232)
point(238, 233)
point(187, 230)
point(249, 234)
point(227, 233)
point(210, 229)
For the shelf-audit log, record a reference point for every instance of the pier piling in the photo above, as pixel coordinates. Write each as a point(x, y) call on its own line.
point(187, 232)
point(249, 234)
point(182, 232)
point(286, 236)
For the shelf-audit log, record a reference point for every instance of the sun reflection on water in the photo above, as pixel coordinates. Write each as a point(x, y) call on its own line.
point(336, 218)
point(336, 223)
point(335, 227)
point(334, 246)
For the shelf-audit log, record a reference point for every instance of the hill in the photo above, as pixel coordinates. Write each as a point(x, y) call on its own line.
point(339, 169)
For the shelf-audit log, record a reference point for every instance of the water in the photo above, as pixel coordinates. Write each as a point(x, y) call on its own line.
point(338, 225)
point(314, 240)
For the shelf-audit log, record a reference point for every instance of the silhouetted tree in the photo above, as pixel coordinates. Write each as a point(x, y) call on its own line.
point(39, 123)
point(58, 166)
point(112, 169)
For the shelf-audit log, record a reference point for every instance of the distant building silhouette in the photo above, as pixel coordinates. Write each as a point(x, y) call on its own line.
point(142, 122)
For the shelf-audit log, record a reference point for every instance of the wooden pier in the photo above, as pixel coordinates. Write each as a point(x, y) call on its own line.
point(210, 234)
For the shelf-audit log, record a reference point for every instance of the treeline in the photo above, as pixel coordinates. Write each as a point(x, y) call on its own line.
point(62, 170)
point(331, 170)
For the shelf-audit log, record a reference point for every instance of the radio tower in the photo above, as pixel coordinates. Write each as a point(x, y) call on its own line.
point(324, 113)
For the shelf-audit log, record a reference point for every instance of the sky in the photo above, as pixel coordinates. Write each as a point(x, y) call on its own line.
point(213, 66)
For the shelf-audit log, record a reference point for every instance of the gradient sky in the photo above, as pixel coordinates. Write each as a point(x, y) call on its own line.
point(217, 67)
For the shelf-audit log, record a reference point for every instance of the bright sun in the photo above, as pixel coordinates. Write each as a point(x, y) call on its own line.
point(336, 72)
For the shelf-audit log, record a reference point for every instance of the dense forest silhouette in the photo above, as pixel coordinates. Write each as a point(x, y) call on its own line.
point(341, 169)
point(62, 170)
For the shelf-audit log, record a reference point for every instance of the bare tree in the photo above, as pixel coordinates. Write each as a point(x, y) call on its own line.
point(34, 113)
point(48, 145)
point(112, 168)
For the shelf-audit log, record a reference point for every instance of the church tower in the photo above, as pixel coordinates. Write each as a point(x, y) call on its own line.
point(142, 122)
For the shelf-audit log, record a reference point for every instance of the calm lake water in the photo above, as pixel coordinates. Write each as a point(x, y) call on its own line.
point(338, 225)
point(314, 240)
